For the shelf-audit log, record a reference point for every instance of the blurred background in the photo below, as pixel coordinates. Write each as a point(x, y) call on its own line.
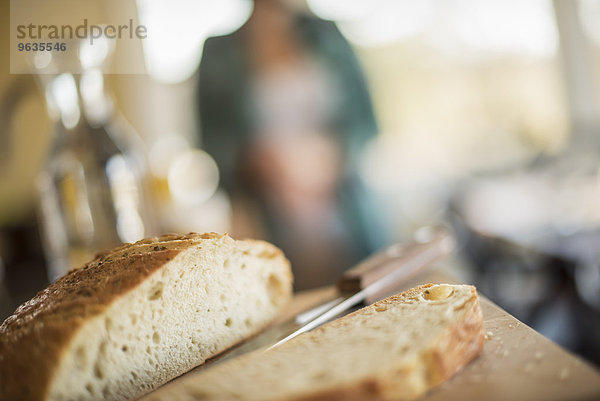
point(328, 127)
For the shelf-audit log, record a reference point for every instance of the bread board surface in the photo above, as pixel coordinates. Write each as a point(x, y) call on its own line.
point(518, 363)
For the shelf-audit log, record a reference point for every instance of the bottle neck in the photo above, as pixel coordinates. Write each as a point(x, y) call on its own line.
point(62, 97)
point(97, 105)
point(78, 100)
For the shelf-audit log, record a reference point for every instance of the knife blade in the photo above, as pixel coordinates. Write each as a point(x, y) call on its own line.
point(365, 283)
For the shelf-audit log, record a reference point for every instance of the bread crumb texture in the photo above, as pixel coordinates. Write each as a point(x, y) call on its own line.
point(140, 315)
point(395, 349)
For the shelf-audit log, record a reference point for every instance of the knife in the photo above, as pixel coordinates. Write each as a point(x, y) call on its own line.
point(364, 284)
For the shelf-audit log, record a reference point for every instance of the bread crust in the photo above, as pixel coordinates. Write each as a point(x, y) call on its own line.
point(34, 337)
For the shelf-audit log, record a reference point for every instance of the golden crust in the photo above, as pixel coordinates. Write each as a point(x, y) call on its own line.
point(458, 345)
point(32, 339)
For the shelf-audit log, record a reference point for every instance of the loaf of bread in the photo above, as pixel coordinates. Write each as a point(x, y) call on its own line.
point(140, 315)
point(395, 349)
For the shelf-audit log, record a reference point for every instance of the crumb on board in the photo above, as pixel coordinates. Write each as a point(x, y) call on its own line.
point(564, 374)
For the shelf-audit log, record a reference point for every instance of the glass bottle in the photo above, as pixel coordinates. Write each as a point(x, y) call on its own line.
point(92, 193)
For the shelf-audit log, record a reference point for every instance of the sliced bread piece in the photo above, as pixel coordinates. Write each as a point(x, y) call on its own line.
point(395, 349)
point(140, 315)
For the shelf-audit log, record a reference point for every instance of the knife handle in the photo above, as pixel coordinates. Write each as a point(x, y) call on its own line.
point(397, 262)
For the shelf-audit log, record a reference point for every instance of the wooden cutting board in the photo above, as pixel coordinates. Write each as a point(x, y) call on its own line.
point(517, 363)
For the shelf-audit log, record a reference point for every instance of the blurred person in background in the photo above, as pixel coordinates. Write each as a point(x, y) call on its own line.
point(285, 111)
